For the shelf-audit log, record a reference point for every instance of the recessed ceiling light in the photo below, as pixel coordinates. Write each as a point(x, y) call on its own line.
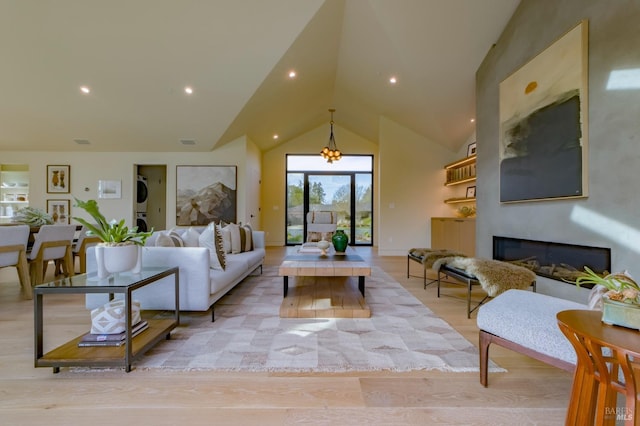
point(85, 90)
point(187, 142)
point(82, 141)
point(275, 136)
point(188, 90)
point(393, 80)
point(292, 74)
point(473, 120)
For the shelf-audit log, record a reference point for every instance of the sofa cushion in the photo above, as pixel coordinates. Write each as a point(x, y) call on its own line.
point(190, 237)
point(246, 242)
point(226, 237)
point(220, 279)
point(211, 238)
point(169, 239)
point(234, 232)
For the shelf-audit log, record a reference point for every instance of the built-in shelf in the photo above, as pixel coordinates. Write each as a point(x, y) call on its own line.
point(461, 171)
point(460, 200)
point(458, 182)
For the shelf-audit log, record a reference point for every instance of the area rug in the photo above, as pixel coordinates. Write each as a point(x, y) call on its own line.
point(248, 335)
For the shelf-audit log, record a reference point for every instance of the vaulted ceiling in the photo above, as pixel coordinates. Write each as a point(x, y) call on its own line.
point(137, 57)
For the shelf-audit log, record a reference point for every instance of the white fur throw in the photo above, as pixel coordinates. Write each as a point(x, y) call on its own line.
point(429, 256)
point(494, 276)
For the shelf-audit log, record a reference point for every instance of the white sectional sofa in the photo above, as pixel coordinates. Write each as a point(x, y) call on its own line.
point(201, 285)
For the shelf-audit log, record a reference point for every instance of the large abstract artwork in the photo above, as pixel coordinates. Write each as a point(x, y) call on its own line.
point(543, 124)
point(205, 194)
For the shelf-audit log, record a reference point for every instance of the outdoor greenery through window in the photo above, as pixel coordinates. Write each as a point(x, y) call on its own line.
point(344, 187)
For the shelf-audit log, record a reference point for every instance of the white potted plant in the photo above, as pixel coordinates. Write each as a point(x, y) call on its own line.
point(120, 248)
point(621, 303)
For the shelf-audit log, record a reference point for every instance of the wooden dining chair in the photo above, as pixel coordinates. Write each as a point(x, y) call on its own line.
point(52, 242)
point(13, 252)
point(80, 248)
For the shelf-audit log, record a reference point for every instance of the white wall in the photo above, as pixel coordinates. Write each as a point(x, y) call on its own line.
point(411, 180)
point(408, 188)
point(89, 167)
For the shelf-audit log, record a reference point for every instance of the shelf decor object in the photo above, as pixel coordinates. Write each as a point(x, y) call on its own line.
point(461, 171)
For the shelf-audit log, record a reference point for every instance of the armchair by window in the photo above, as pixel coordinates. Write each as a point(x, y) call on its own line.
point(321, 223)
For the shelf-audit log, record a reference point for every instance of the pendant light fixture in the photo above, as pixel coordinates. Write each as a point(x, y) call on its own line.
point(331, 152)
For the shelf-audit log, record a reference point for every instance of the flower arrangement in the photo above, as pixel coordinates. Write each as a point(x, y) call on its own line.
point(622, 288)
point(111, 233)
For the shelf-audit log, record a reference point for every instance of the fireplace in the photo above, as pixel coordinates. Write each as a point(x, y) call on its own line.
point(557, 261)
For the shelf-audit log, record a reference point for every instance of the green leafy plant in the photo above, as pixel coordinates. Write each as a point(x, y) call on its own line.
point(622, 287)
point(111, 233)
point(32, 216)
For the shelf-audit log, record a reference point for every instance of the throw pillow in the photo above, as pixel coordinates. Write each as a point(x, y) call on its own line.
point(246, 238)
point(226, 238)
point(190, 237)
point(169, 239)
point(236, 244)
point(212, 239)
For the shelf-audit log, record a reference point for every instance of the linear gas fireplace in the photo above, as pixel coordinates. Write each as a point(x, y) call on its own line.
point(557, 261)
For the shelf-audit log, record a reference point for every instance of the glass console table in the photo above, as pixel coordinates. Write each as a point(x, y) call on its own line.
point(69, 354)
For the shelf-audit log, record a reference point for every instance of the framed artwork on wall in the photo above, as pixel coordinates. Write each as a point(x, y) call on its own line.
point(109, 189)
point(205, 194)
point(471, 192)
point(471, 149)
point(544, 123)
point(59, 210)
point(58, 179)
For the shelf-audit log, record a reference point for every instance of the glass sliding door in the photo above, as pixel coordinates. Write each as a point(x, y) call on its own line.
point(329, 192)
point(345, 188)
point(363, 218)
point(295, 208)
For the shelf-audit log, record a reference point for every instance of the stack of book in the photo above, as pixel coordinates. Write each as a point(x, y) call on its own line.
point(309, 248)
point(111, 339)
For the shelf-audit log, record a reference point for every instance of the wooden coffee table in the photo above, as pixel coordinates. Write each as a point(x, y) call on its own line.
point(324, 287)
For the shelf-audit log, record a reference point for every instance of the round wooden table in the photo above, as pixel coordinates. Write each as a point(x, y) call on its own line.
point(608, 363)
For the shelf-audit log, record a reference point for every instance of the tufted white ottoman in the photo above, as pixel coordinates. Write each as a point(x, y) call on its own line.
point(525, 322)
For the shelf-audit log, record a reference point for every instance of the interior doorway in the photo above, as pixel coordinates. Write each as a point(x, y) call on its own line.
point(150, 191)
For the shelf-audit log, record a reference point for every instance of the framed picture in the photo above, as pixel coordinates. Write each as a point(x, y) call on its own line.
point(471, 149)
point(109, 189)
point(471, 192)
point(544, 123)
point(205, 194)
point(59, 210)
point(58, 179)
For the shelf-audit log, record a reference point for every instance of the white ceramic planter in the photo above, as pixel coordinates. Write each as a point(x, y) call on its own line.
point(116, 259)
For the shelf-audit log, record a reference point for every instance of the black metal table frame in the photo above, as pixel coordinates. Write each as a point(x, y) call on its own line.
point(129, 357)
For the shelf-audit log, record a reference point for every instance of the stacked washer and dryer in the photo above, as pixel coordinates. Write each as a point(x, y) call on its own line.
point(141, 208)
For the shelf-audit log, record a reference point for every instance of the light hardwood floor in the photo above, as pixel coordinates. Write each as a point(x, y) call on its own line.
point(529, 393)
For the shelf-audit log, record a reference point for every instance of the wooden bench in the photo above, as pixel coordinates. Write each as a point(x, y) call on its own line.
point(525, 322)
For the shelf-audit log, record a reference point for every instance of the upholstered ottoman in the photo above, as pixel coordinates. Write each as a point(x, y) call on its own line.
point(525, 322)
